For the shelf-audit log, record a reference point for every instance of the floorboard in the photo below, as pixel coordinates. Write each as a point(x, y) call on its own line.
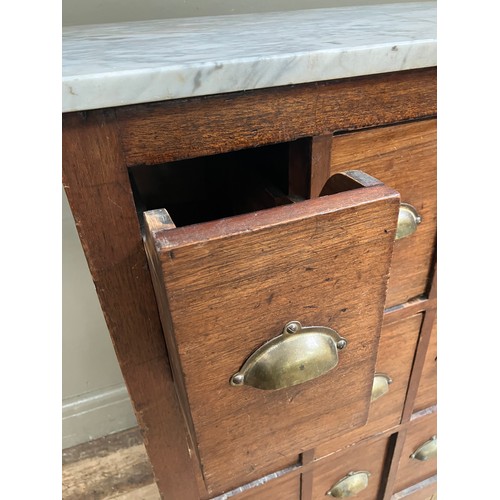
point(114, 467)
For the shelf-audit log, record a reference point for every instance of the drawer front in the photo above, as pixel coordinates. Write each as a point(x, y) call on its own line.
point(427, 388)
point(395, 358)
point(413, 470)
point(403, 157)
point(336, 472)
point(425, 490)
point(225, 288)
point(286, 487)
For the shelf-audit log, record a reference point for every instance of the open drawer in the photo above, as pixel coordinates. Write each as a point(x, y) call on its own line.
point(238, 297)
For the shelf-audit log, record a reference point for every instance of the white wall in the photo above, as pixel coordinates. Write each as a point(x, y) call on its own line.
point(107, 11)
point(95, 401)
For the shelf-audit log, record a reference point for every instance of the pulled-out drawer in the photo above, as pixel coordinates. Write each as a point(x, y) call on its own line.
point(272, 320)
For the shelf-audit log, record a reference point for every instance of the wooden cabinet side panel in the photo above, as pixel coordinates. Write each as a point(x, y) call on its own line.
point(98, 190)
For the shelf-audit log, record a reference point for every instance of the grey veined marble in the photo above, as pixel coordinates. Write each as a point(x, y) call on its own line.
point(136, 62)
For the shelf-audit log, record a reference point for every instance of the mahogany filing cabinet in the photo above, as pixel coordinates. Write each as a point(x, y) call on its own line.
point(265, 261)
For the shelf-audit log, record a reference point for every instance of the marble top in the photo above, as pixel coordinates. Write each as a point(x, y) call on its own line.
point(136, 62)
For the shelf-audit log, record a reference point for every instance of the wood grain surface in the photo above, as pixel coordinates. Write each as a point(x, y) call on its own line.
point(411, 471)
point(286, 487)
point(309, 165)
point(232, 285)
point(98, 146)
point(98, 189)
point(421, 351)
point(404, 158)
point(395, 358)
point(427, 387)
point(429, 313)
point(425, 490)
point(186, 128)
point(370, 456)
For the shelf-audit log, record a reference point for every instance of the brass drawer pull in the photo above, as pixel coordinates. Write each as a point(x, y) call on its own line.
point(298, 354)
point(381, 383)
point(426, 451)
point(350, 485)
point(408, 221)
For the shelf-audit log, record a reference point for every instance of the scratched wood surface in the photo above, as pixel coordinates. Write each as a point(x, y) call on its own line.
point(232, 285)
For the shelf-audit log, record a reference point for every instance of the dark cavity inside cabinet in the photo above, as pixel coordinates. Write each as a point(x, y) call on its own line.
point(212, 187)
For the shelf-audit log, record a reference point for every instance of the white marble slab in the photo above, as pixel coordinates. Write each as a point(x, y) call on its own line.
point(137, 62)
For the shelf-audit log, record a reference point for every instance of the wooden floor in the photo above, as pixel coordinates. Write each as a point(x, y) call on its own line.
point(113, 467)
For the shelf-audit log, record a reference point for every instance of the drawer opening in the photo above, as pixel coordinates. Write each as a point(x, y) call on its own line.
point(213, 187)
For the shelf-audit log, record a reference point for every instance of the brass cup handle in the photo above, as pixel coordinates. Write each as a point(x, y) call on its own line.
point(298, 354)
point(408, 221)
point(350, 485)
point(380, 387)
point(426, 451)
